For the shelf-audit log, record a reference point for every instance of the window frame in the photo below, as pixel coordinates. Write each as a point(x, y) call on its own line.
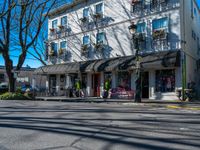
point(52, 23)
point(88, 40)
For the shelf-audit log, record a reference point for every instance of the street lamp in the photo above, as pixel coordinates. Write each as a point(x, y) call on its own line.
point(135, 37)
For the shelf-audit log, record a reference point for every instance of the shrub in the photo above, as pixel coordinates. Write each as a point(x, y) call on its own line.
point(13, 96)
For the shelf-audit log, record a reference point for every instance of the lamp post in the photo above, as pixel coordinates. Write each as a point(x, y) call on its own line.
point(135, 37)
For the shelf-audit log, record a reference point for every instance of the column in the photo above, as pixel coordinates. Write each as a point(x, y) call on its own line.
point(152, 84)
point(47, 85)
point(58, 84)
point(114, 79)
point(89, 84)
point(101, 83)
point(178, 79)
point(133, 80)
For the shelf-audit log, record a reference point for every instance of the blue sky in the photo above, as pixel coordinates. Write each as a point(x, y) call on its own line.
point(30, 60)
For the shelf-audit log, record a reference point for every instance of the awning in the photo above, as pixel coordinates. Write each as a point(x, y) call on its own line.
point(58, 68)
point(161, 59)
point(151, 60)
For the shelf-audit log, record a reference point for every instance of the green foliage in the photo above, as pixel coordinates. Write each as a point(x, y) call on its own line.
point(14, 96)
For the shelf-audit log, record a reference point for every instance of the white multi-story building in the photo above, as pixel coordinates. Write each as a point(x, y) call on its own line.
point(90, 40)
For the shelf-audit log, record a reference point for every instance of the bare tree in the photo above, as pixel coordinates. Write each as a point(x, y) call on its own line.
point(20, 25)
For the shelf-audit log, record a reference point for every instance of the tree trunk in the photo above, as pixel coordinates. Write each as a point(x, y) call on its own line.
point(10, 73)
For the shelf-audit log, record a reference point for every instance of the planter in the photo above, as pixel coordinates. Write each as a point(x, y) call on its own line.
point(52, 30)
point(159, 34)
point(60, 51)
point(98, 15)
point(84, 19)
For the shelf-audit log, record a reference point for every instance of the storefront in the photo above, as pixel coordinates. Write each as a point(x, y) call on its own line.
point(159, 76)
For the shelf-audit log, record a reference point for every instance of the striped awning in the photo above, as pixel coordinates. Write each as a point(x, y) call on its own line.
point(151, 60)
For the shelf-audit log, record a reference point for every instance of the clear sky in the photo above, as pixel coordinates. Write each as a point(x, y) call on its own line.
point(30, 60)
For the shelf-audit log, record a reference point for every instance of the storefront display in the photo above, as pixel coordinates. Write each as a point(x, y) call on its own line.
point(124, 79)
point(165, 80)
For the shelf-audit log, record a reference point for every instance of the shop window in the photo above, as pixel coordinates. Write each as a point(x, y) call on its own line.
point(165, 80)
point(124, 80)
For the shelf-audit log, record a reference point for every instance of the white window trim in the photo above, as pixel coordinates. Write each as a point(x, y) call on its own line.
point(89, 38)
point(103, 7)
point(67, 25)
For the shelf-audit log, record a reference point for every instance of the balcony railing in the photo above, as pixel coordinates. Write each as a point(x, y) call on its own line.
point(142, 8)
point(60, 32)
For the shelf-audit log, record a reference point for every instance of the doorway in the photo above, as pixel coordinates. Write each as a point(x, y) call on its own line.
point(96, 84)
point(145, 85)
point(52, 85)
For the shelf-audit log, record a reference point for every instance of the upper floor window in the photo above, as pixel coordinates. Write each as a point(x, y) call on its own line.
point(54, 24)
point(54, 48)
point(86, 12)
point(64, 21)
point(100, 37)
point(99, 8)
point(86, 40)
point(141, 27)
point(63, 45)
point(160, 23)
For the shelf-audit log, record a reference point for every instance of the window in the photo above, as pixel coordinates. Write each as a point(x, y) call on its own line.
point(160, 23)
point(165, 80)
point(54, 24)
point(63, 44)
point(99, 8)
point(141, 27)
point(54, 47)
point(100, 37)
point(86, 12)
point(86, 40)
point(64, 21)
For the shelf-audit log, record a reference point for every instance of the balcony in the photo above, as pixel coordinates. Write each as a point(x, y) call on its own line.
point(60, 32)
point(143, 8)
point(99, 46)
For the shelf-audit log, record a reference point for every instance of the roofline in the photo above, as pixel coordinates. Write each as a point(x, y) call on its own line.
point(64, 7)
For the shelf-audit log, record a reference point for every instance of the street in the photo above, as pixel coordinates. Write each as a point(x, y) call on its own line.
point(42, 125)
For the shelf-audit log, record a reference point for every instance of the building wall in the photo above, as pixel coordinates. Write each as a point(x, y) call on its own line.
point(190, 29)
point(118, 39)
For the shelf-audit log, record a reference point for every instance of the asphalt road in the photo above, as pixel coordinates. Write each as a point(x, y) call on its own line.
point(31, 125)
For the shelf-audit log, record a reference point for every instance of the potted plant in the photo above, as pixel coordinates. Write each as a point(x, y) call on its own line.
point(84, 19)
point(51, 52)
point(98, 15)
point(60, 51)
point(61, 26)
point(52, 29)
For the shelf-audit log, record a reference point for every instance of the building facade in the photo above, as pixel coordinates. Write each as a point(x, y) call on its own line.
point(89, 40)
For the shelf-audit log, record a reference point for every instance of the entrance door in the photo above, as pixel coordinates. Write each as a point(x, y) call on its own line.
point(96, 85)
point(145, 85)
point(52, 84)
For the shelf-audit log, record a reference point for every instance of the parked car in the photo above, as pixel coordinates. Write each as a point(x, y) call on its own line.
point(3, 87)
